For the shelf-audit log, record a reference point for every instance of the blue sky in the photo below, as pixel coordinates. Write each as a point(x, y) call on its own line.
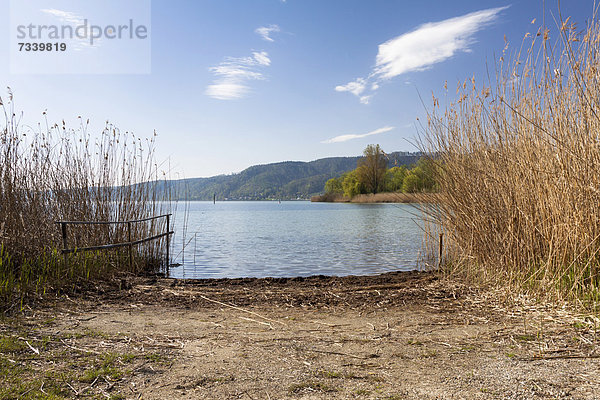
point(235, 83)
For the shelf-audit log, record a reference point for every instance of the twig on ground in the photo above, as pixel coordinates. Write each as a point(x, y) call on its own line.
point(258, 322)
point(24, 393)
point(559, 356)
point(339, 354)
point(36, 351)
point(87, 318)
point(241, 309)
point(73, 389)
point(78, 349)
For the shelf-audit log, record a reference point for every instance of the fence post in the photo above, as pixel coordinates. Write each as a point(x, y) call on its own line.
point(63, 228)
point(441, 250)
point(130, 247)
point(168, 240)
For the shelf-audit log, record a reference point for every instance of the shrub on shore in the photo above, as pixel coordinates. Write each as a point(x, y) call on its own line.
point(517, 168)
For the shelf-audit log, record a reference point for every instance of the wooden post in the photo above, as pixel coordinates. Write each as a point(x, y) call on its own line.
point(130, 247)
point(168, 241)
point(441, 250)
point(214, 198)
point(63, 227)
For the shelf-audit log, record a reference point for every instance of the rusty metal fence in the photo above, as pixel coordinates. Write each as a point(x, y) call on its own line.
point(130, 243)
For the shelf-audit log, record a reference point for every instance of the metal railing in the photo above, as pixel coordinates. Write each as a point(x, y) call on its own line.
point(130, 243)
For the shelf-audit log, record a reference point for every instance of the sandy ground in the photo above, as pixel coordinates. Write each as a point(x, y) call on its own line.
point(393, 336)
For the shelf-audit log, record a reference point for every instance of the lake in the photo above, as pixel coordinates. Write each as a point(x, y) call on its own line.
point(294, 238)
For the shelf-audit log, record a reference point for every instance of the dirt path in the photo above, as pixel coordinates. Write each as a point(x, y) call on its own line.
point(394, 336)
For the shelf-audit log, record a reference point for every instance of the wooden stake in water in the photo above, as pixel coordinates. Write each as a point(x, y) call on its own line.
point(195, 237)
point(214, 198)
point(168, 241)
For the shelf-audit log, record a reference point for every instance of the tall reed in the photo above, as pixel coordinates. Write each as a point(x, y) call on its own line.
point(52, 173)
point(518, 164)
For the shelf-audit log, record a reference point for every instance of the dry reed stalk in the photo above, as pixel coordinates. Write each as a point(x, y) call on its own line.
point(55, 173)
point(517, 165)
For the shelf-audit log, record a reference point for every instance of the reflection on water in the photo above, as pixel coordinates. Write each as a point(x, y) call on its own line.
point(296, 238)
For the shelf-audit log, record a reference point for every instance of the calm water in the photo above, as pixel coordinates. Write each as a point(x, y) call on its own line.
point(294, 238)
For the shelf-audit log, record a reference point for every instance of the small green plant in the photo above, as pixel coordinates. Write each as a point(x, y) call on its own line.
point(11, 344)
point(328, 374)
point(312, 386)
point(526, 338)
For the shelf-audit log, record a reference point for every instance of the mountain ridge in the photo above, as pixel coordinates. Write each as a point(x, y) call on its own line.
point(283, 180)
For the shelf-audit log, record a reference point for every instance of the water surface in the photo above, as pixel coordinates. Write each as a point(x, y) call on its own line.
point(294, 238)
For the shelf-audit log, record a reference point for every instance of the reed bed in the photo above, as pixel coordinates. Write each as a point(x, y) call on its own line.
point(518, 164)
point(51, 173)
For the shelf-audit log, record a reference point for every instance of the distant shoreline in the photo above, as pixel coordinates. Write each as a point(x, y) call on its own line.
point(374, 198)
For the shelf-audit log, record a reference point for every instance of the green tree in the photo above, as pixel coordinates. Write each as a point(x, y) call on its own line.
point(428, 173)
point(371, 169)
point(394, 179)
point(421, 177)
point(334, 185)
point(412, 183)
point(352, 184)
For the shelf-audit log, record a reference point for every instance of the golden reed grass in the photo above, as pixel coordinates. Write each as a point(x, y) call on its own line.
point(387, 197)
point(53, 173)
point(518, 164)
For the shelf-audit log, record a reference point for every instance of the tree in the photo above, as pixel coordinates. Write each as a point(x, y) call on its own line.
point(352, 185)
point(371, 169)
point(412, 182)
point(421, 177)
point(394, 178)
point(334, 185)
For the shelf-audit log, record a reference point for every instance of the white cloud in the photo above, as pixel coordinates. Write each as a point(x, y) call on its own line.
point(262, 58)
point(430, 43)
point(365, 99)
point(427, 45)
point(265, 32)
point(355, 87)
point(344, 138)
point(226, 90)
point(75, 20)
point(233, 75)
point(65, 16)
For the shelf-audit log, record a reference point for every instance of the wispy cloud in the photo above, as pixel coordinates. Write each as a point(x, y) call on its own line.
point(266, 31)
point(70, 18)
point(355, 87)
point(427, 45)
point(65, 16)
point(345, 138)
point(233, 75)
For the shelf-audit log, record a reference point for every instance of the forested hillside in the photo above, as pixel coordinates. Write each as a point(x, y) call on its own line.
point(283, 180)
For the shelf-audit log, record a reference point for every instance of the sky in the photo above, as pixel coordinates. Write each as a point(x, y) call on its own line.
point(227, 84)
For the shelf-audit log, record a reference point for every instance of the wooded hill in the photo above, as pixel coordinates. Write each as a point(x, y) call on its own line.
point(288, 180)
